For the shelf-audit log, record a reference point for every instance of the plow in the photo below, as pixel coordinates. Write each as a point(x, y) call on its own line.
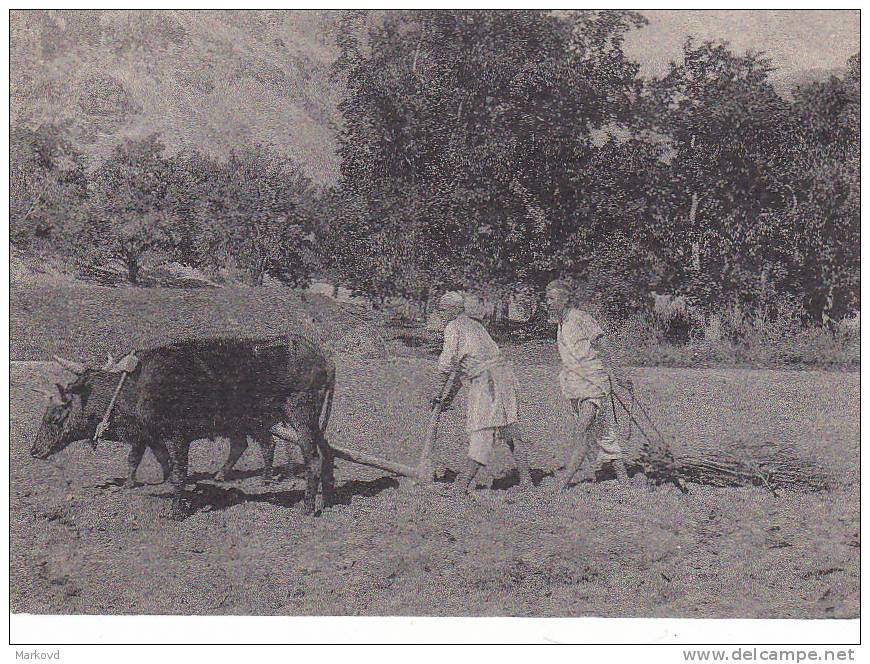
point(769, 466)
point(422, 473)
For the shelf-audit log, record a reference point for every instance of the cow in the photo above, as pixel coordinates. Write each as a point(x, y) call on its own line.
point(204, 388)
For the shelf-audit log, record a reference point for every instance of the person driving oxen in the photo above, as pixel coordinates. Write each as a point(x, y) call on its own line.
point(491, 405)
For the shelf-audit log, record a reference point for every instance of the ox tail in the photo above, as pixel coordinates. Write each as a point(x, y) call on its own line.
point(326, 404)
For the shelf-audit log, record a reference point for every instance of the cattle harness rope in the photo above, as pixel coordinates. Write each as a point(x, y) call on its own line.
point(125, 366)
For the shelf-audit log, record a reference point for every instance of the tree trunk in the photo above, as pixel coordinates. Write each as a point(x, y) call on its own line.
point(491, 312)
point(132, 262)
point(35, 201)
point(424, 305)
point(696, 246)
point(259, 271)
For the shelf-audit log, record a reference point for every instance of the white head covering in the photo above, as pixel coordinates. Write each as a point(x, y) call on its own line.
point(449, 306)
point(451, 300)
point(559, 285)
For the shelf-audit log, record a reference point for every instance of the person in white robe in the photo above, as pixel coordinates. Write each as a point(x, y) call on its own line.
point(491, 405)
point(585, 382)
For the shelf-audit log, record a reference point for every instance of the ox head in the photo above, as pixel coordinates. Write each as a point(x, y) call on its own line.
point(65, 419)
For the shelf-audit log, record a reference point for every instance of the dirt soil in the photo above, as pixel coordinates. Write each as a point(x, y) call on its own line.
point(82, 544)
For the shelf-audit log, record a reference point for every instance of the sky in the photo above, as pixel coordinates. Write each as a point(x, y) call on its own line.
point(795, 40)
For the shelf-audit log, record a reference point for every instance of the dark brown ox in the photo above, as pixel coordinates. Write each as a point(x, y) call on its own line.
point(205, 389)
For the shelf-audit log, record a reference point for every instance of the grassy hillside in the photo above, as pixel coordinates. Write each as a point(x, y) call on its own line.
point(210, 79)
point(85, 322)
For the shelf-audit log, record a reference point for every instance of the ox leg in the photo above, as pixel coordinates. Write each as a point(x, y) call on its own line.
point(267, 449)
point(162, 454)
point(178, 475)
point(301, 415)
point(320, 421)
point(327, 471)
point(137, 451)
point(312, 479)
point(238, 445)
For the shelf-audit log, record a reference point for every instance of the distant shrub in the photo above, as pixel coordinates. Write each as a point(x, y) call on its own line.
point(756, 338)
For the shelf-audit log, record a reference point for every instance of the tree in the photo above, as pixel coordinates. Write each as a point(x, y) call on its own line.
point(47, 182)
point(725, 123)
point(136, 196)
point(823, 169)
point(763, 198)
point(467, 136)
point(252, 213)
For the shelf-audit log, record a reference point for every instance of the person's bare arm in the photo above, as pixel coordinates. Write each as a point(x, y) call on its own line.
point(448, 363)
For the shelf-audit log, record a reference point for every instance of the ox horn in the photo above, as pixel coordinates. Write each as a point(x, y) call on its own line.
point(75, 367)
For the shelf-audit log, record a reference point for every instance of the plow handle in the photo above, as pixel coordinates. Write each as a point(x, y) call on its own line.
point(425, 463)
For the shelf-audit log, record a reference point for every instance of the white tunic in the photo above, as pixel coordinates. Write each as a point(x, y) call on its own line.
point(583, 375)
point(492, 393)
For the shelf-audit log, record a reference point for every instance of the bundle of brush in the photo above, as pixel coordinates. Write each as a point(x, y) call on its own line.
point(766, 464)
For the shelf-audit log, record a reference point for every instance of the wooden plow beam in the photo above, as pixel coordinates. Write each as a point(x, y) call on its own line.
point(419, 472)
point(423, 472)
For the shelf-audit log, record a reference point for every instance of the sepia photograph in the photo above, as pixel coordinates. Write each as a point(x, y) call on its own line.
point(436, 313)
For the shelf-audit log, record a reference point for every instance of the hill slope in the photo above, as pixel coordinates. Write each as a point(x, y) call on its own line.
point(215, 80)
